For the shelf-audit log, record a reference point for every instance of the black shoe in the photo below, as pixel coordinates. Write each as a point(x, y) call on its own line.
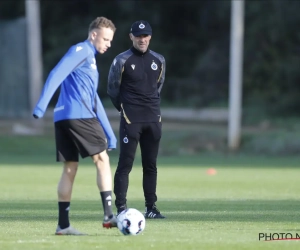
point(153, 213)
point(120, 209)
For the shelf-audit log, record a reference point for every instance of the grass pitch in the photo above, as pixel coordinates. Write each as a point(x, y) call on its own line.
point(228, 210)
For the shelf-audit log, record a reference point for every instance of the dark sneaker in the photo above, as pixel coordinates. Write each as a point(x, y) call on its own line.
point(120, 209)
point(153, 213)
point(111, 222)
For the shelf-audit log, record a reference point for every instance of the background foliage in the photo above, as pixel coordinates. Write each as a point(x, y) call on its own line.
point(194, 38)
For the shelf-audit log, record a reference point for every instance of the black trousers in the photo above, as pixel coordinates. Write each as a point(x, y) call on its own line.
point(148, 136)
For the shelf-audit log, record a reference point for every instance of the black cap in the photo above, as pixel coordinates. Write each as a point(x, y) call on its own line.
point(141, 28)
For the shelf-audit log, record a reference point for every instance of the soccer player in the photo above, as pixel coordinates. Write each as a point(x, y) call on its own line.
point(81, 124)
point(135, 80)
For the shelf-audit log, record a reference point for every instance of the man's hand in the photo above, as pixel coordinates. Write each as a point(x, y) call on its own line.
point(112, 144)
point(37, 113)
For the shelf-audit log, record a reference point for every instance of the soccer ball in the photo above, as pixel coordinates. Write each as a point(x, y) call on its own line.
point(131, 222)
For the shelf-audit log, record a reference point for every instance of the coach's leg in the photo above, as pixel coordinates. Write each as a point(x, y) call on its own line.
point(149, 144)
point(129, 137)
point(64, 192)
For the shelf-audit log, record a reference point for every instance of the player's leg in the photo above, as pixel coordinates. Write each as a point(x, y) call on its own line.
point(65, 184)
point(128, 136)
point(91, 141)
point(66, 152)
point(104, 183)
point(149, 143)
point(64, 192)
point(104, 177)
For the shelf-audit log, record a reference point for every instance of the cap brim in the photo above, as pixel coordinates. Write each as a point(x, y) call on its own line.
point(142, 32)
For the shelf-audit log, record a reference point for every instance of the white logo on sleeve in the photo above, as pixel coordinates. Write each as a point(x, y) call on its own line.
point(114, 62)
point(78, 48)
point(59, 108)
point(125, 139)
point(132, 66)
point(93, 64)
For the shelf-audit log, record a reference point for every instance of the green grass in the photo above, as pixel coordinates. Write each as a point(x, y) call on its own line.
point(247, 196)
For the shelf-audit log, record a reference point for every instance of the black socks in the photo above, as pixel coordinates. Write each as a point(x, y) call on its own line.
point(63, 214)
point(64, 206)
point(106, 198)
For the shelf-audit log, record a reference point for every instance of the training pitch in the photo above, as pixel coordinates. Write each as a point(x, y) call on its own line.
point(244, 203)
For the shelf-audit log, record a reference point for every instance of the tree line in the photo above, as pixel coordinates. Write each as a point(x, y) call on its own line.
point(194, 37)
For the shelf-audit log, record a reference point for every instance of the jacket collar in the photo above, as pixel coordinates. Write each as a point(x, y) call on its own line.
point(137, 52)
point(91, 46)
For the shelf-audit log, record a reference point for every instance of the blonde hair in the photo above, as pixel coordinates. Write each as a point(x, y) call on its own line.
point(102, 22)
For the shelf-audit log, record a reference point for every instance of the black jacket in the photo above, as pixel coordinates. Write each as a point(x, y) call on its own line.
point(134, 83)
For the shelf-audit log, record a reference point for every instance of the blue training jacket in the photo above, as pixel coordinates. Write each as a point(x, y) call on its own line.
point(78, 76)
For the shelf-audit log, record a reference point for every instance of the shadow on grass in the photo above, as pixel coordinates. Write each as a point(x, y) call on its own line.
point(181, 210)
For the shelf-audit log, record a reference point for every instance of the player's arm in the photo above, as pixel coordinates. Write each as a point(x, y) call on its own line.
point(114, 82)
point(102, 118)
point(161, 79)
point(58, 74)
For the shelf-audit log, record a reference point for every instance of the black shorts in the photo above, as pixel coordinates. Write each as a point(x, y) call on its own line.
point(79, 136)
